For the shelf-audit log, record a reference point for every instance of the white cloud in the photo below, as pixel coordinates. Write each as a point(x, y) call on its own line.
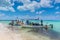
point(7, 9)
point(31, 6)
point(40, 12)
point(28, 5)
point(50, 17)
point(2, 15)
point(57, 1)
point(26, 1)
point(3, 8)
point(46, 3)
point(21, 7)
point(6, 5)
point(11, 9)
point(57, 7)
point(57, 12)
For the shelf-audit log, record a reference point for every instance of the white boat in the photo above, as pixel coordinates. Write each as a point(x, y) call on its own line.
point(37, 27)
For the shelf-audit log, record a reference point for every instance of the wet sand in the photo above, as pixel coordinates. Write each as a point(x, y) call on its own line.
point(8, 34)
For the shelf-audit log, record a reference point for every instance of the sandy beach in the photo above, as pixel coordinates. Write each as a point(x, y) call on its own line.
point(7, 34)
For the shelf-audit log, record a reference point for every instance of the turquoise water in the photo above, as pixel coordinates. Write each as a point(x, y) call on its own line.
point(5, 22)
point(56, 24)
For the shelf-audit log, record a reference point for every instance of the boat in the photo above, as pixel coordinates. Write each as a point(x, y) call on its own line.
point(31, 25)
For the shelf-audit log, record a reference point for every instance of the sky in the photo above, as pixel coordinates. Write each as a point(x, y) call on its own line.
point(30, 9)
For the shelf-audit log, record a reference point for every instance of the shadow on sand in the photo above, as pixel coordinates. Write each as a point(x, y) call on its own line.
point(52, 34)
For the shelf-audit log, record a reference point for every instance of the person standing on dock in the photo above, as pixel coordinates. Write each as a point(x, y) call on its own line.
point(41, 22)
point(27, 22)
point(12, 24)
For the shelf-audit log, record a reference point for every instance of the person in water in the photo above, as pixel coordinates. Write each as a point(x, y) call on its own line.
point(12, 23)
point(51, 26)
point(46, 27)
